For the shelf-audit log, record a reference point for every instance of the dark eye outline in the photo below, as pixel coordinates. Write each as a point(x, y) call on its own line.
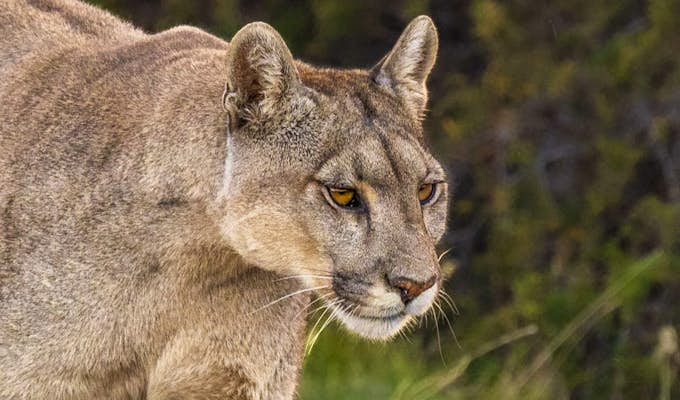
point(354, 205)
point(433, 194)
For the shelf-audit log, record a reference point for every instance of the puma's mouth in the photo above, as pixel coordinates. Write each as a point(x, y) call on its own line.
point(372, 327)
point(374, 311)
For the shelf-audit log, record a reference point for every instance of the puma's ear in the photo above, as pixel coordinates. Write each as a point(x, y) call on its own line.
point(260, 71)
point(406, 67)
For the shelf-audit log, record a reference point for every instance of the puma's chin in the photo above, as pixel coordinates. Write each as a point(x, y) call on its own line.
point(377, 328)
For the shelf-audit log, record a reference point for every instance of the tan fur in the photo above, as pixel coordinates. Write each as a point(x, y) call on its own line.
point(155, 188)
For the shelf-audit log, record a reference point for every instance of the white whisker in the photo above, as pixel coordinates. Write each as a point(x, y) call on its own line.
point(306, 308)
point(443, 254)
point(303, 276)
point(439, 342)
point(288, 296)
point(328, 321)
point(449, 300)
point(448, 322)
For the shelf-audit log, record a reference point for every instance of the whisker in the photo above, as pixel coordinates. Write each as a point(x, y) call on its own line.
point(311, 332)
point(439, 342)
point(410, 326)
point(402, 333)
point(333, 316)
point(310, 343)
point(323, 305)
point(448, 322)
point(352, 309)
point(322, 271)
point(447, 302)
point(326, 309)
point(450, 301)
point(306, 308)
point(288, 296)
point(303, 276)
point(328, 321)
point(445, 252)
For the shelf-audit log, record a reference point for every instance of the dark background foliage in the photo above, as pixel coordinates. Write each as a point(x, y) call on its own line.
point(559, 123)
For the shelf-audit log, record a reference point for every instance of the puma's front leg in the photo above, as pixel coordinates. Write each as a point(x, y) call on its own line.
point(231, 352)
point(195, 369)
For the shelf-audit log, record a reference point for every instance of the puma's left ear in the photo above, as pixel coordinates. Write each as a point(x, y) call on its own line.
point(406, 67)
point(261, 71)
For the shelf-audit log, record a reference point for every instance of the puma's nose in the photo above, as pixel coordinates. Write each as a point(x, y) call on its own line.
point(411, 289)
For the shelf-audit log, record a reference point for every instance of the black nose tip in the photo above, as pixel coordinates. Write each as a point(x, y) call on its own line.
point(411, 289)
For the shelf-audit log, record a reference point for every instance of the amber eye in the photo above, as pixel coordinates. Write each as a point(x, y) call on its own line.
point(344, 197)
point(426, 193)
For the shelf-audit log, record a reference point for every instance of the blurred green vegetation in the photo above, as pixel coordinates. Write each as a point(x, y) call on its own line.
point(559, 123)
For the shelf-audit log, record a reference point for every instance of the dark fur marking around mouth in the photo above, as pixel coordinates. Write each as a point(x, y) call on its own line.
point(350, 286)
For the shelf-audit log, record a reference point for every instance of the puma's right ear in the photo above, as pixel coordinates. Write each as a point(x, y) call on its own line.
point(260, 70)
point(406, 67)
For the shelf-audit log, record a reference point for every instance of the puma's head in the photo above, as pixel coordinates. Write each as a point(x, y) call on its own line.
point(327, 178)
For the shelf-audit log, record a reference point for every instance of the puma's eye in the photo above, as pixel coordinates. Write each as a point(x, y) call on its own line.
point(344, 197)
point(426, 193)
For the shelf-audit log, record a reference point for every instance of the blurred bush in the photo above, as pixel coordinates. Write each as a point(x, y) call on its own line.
point(559, 123)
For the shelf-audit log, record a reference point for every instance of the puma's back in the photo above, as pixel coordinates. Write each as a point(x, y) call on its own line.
point(169, 201)
point(30, 26)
